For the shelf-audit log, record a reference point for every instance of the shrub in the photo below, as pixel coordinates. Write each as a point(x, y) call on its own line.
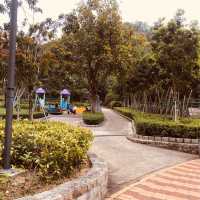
point(157, 125)
point(93, 118)
point(53, 149)
point(115, 104)
point(25, 115)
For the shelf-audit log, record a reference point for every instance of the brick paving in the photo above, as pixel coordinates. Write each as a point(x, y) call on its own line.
point(181, 182)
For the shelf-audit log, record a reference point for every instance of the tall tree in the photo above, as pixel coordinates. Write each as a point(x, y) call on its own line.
point(176, 47)
point(95, 30)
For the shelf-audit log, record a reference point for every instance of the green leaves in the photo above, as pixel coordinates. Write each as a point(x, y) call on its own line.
point(157, 125)
point(176, 47)
point(53, 149)
point(91, 118)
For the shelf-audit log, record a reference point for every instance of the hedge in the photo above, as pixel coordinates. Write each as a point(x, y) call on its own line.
point(52, 149)
point(115, 104)
point(157, 125)
point(91, 118)
point(36, 115)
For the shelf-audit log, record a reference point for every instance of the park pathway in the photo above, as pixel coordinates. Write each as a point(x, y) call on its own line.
point(128, 162)
point(180, 182)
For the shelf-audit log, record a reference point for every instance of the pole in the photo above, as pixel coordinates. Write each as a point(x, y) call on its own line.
point(10, 85)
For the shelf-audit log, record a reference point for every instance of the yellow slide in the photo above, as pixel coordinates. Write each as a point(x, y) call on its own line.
point(80, 110)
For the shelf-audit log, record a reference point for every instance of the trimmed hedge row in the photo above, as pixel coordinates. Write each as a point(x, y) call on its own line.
point(157, 125)
point(36, 115)
point(53, 149)
point(114, 104)
point(91, 118)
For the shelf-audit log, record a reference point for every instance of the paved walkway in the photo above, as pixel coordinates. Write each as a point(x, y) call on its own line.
point(128, 162)
point(181, 182)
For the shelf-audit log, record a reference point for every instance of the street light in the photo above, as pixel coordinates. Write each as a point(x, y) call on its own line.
point(10, 85)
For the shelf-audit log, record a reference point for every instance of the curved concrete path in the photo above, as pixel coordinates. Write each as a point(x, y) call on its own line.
point(128, 162)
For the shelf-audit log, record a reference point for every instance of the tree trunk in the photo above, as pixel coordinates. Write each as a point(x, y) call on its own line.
point(18, 112)
point(95, 103)
point(4, 92)
point(30, 102)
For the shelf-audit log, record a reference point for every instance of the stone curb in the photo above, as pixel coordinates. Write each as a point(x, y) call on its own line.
point(92, 186)
point(183, 147)
point(186, 145)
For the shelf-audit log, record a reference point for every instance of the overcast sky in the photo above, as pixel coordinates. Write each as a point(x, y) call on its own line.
point(131, 10)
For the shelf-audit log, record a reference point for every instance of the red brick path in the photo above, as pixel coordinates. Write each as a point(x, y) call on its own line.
point(181, 182)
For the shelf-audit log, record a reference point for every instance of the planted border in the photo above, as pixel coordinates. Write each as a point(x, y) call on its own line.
point(52, 149)
point(156, 125)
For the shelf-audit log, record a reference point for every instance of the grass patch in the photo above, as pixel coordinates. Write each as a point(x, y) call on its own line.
point(91, 118)
point(158, 125)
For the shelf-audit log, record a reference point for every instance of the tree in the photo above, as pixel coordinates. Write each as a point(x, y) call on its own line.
point(94, 29)
point(136, 63)
point(176, 47)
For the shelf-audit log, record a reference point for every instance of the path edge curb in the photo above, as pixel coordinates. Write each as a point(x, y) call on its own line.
point(90, 186)
point(187, 145)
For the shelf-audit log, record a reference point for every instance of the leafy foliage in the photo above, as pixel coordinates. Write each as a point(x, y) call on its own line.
point(176, 47)
point(91, 118)
point(94, 30)
point(157, 125)
point(53, 149)
point(98, 55)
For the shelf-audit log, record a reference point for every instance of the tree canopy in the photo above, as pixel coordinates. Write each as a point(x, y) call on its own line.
point(95, 54)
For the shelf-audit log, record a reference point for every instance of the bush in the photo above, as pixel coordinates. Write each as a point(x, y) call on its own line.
point(53, 149)
point(115, 104)
point(157, 125)
point(36, 115)
point(93, 118)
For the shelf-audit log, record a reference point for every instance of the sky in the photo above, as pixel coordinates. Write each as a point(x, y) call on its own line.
point(131, 10)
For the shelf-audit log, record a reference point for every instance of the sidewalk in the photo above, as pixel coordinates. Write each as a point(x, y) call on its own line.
point(181, 182)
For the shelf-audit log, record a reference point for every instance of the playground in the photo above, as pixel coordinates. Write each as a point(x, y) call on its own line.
point(56, 106)
point(43, 104)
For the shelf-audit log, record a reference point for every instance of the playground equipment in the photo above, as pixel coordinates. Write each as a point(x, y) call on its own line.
point(40, 100)
point(54, 107)
point(65, 99)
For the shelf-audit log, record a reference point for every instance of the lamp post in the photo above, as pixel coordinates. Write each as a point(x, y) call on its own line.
point(10, 85)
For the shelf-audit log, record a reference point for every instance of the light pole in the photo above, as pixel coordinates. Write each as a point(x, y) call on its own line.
point(10, 85)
